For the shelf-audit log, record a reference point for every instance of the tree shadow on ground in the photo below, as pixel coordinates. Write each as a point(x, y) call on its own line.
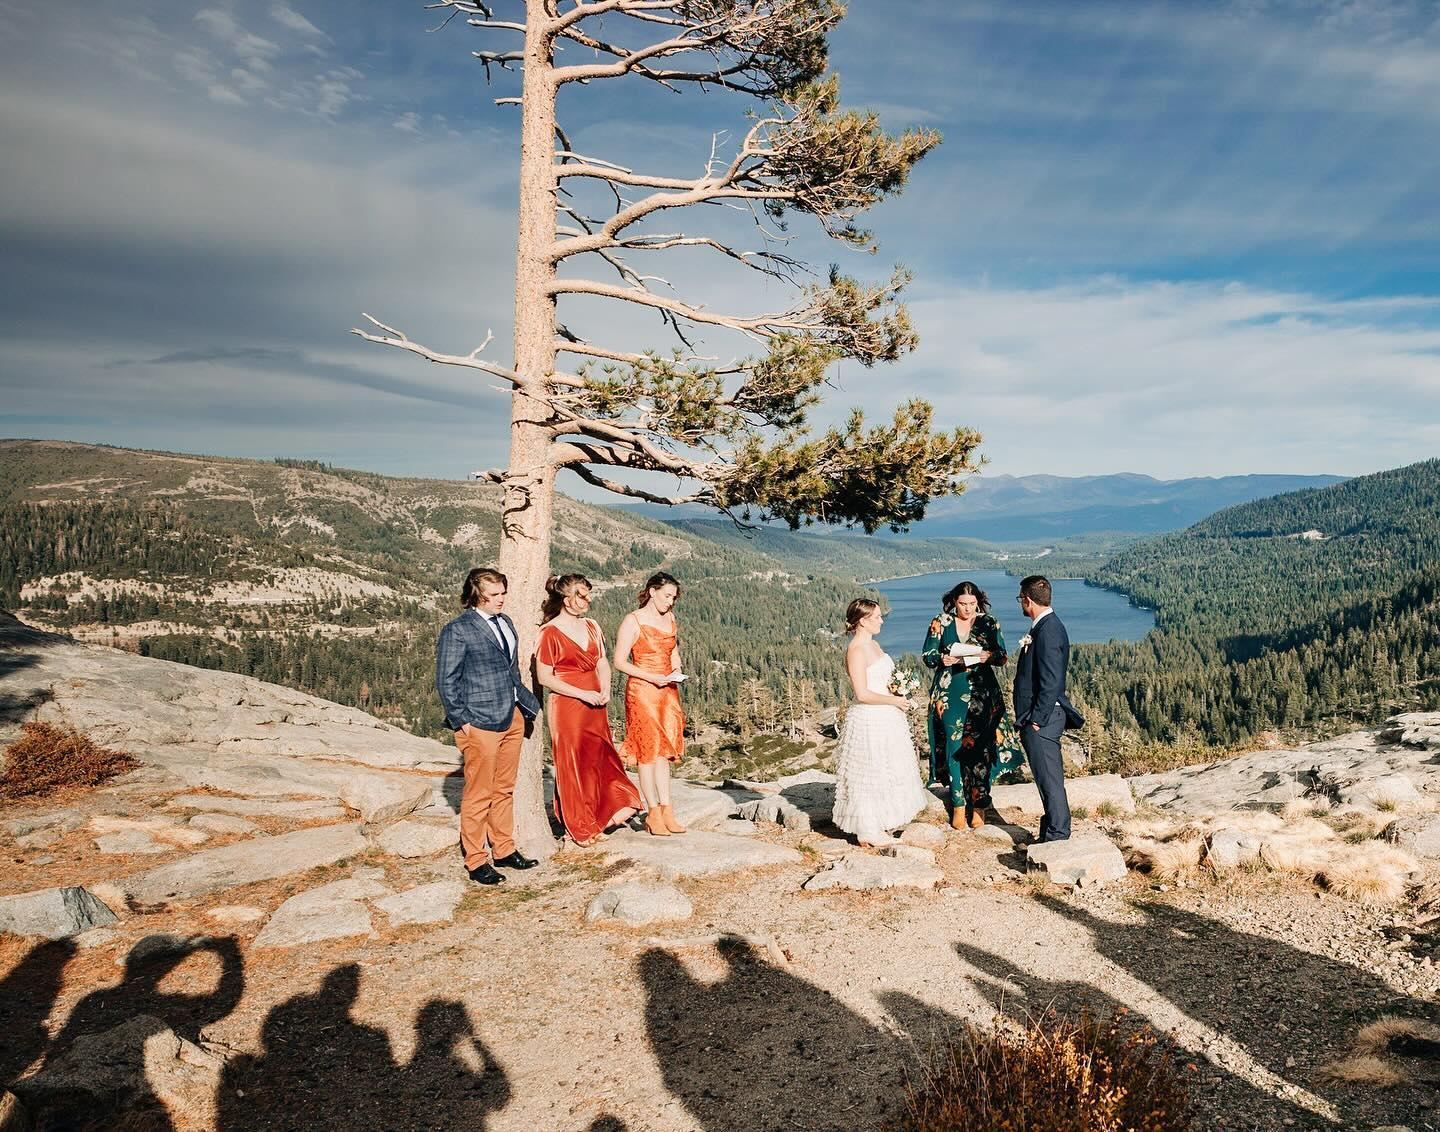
point(761, 1048)
point(321, 1068)
point(17, 640)
point(1291, 1010)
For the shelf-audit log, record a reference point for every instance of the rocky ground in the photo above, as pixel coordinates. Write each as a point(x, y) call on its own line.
point(267, 926)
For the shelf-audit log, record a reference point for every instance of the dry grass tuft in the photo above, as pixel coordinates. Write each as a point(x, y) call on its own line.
point(1364, 1069)
point(1300, 853)
point(1309, 807)
point(1391, 1033)
point(1373, 873)
point(1340, 851)
point(47, 758)
point(1163, 860)
point(1060, 1073)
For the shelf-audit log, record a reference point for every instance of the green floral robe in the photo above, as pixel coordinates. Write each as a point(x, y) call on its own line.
point(972, 739)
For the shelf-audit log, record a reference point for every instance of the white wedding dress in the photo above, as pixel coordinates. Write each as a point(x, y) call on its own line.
point(877, 779)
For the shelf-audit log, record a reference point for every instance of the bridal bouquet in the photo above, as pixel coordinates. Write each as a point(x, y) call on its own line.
point(904, 683)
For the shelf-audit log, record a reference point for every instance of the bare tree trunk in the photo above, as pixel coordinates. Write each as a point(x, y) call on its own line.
point(530, 488)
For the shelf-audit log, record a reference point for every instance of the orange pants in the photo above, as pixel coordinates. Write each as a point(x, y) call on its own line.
point(487, 804)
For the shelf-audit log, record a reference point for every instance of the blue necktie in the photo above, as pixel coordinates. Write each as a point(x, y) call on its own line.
point(499, 631)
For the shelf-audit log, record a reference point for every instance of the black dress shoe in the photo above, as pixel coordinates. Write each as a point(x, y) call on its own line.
point(515, 861)
point(485, 874)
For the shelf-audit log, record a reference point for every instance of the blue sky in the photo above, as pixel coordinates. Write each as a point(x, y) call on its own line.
point(1178, 239)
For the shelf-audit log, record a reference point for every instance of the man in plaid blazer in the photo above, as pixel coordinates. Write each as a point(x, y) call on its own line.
point(477, 673)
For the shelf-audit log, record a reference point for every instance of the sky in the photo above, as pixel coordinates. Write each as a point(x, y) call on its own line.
point(1181, 239)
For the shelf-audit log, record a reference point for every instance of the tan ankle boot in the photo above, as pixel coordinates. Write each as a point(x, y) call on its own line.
point(957, 818)
point(655, 822)
point(977, 817)
point(671, 823)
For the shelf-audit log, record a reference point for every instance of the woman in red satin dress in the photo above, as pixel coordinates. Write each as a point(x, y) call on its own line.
point(647, 650)
point(592, 791)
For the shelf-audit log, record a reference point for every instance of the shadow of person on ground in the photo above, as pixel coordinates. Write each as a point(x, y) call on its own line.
point(1291, 1010)
point(320, 1068)
point(27, 995)
point(91, 1089)
point(761, 1048)
point(1020, 996)
point(139, 993)
point(440, 1087)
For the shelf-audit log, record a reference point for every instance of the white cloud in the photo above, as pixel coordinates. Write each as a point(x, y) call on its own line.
point(290, 18)
point(256, 51)
point(222, 94)
point(1176, 378)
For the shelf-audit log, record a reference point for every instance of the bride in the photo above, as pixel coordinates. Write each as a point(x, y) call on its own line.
point(877, 784)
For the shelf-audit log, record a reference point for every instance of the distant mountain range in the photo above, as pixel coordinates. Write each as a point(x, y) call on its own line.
point(1009, 509)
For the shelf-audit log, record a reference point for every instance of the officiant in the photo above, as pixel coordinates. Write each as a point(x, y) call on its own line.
point(972, 741)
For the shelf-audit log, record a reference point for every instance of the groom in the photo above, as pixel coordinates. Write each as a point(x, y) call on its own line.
point(1042, 710)
point(477, 673)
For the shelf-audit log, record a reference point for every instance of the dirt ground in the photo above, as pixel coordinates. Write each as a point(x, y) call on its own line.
point(520, 1016)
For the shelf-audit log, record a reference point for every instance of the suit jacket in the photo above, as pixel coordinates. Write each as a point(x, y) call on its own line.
point(1040, 676)
point(477, 683)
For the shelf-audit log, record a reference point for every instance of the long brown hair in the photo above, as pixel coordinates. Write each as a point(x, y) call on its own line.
point(658, 581)
point(557, 588)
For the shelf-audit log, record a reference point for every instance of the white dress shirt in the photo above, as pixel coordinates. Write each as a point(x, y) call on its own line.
point(503, 635)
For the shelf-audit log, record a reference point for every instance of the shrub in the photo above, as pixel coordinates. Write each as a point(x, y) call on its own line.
point(47, 758)
point(1061, 1073)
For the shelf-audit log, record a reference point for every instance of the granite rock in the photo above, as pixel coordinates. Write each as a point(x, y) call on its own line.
point(639, 904)
point(1082, 861)
point(697, 853)
point(864, 872)
point(242, 862)
point(53, 913)
point(417, 839)
point(425, 904)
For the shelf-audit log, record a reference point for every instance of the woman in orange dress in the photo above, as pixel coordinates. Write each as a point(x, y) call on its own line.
point(647, 650)
point(592, 791)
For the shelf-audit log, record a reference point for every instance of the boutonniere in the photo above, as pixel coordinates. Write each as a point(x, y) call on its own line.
point(1025, 642)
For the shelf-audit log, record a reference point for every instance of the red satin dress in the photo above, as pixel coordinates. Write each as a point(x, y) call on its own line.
point(654, 721)
point(590, 781)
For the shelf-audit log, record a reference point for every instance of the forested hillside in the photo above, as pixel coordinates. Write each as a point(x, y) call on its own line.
point(1304, 612)
point(336, 582)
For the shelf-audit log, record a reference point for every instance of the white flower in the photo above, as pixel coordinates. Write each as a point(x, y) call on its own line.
point(1025, 642)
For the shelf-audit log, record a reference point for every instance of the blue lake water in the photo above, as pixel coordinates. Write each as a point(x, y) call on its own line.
point(1089, 612)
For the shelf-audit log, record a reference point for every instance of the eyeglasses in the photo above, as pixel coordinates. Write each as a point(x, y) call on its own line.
point(1021, 599)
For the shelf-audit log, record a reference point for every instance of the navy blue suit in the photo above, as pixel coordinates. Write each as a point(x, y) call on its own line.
point(477, 682)
point(1041, 710)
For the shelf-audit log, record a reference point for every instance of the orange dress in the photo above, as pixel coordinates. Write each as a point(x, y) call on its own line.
point(654, 721)
point(590, 781)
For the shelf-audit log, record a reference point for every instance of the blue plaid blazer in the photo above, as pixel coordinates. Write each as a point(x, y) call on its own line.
point(477, 684)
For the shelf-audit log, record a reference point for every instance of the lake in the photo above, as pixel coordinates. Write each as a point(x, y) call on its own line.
point(1089, 612)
